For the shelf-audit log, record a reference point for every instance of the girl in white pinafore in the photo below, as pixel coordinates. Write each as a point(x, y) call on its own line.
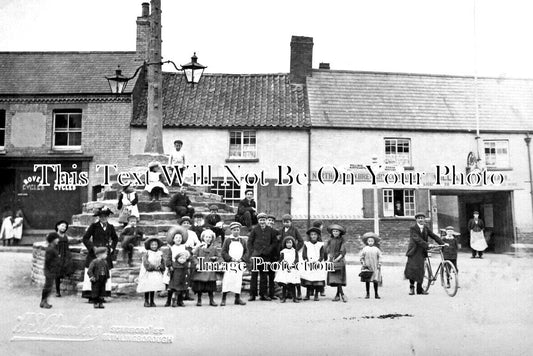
point(233, 251)
point(288, 276)
point(151, 273)
point(313, 276)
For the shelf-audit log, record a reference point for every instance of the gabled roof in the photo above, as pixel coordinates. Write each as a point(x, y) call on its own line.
point(424, 102)
point(230, 100)
point(45, 73)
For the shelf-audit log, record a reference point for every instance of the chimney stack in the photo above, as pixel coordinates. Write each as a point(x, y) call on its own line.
point(301, 59)
point(143, 33)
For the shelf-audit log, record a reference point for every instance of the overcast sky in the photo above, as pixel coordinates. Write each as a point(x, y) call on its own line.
point(249, 36)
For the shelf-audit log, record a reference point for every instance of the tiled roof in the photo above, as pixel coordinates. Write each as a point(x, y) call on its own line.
point(411, 101)
point(27, 73)
point(230, 100)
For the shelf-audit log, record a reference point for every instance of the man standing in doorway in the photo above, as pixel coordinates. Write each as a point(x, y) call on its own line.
point(477, 237)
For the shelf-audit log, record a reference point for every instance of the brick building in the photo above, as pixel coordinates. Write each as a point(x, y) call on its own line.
point(56, 108)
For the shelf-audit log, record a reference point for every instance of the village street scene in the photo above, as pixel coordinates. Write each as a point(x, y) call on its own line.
point(273, 182)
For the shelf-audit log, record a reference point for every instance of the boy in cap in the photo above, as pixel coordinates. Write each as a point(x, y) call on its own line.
point(130, 237)
point(98, 273)
point(51, 268)
point(177, 158)
point(450, 251)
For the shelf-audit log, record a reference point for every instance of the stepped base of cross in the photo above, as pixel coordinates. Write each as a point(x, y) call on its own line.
point(156, 218)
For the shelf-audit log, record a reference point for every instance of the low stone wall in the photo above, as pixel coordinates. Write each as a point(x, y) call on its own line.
point(123, 277)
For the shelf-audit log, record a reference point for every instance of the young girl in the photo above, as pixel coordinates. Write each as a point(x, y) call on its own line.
point(177, 236)
point(154, 185)
point(335, 252)
point(450, 251)
point(205, 282)
point(234, 250)
point(127, 204)
point(151, 273)
point(313, 279)
point(6, 232)
point(370, 258)
point(65, 257)
point(288, 276)
point(179, 281)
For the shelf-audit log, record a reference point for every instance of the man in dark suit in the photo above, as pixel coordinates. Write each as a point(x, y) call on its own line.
point(99, 234)
point(261, 243)
point(246, 212)
point(417, 253)
point(181, 204)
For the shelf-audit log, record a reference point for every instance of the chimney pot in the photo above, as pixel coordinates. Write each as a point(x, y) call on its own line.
point(145, 9)
point(323, 65)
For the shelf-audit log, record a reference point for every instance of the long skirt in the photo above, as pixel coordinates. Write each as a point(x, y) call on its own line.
point(86, 290)
point(477, 240)
point(338, 277)
point(204, 286)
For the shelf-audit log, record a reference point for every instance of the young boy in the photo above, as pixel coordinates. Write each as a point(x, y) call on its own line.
point(130, 237)
point(450, 251)
point(98, 273)
point(51, 267)
point(177, 158)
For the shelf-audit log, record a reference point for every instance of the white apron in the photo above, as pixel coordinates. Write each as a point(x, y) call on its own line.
point(313, 255)
point(153, 181)
point(17, 231)
point(284, 275)
point(86, 286)
point(151, 281)
point(127, 208)
point(477, 240)
point(7, 229)
point(232, 281)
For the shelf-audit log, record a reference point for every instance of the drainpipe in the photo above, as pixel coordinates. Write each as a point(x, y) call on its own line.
point(527, 139)
point(308, 178)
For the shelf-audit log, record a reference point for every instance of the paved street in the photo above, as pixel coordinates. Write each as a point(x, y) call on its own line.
point(491, 314)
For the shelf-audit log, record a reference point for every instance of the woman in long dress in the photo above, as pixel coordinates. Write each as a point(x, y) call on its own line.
point(477, 237)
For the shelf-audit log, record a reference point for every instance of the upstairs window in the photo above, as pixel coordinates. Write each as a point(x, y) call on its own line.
point(242, 144)
point(67, 129)
point(497, 153)
point(398, 151)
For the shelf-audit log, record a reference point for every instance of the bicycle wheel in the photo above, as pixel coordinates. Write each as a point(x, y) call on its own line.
point(426, 283)
point(448, 277)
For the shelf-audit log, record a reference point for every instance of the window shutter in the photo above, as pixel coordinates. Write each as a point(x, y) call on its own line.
point(368, 203)
point(422, 201)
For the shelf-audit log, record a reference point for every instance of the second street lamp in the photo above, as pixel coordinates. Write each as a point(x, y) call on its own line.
point(193, 73)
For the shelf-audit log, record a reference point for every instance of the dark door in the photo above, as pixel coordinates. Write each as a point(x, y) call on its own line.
point(8, 196)
point(274, 199)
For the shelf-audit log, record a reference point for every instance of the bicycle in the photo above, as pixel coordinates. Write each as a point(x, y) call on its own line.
point(446, 270)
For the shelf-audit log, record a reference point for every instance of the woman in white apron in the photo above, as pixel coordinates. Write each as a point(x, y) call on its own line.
point(477, 237)
point(233, 250)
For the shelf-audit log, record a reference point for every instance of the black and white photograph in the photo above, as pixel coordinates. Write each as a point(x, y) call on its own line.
point(266, 177)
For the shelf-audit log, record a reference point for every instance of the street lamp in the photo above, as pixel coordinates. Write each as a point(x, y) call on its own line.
point(193, 73)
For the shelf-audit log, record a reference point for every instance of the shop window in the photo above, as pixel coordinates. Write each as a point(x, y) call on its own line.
point(399, 202)
point(231, 192)
point(67, 129)
point(398, 151)
point(497, 153)
point(2, 128)
point(242, 144)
